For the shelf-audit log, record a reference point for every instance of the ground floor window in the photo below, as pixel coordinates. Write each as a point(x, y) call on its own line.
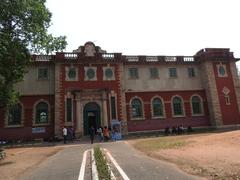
point(157, 106)
point(196, 105)
point(15, 115)
point(136, 106)
point(41, 113)
point(177, 106)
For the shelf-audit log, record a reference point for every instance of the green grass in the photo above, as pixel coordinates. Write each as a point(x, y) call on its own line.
point(101, 163)
point(160, 143)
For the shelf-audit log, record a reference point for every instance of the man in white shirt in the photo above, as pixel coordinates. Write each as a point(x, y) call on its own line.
point(65, 134)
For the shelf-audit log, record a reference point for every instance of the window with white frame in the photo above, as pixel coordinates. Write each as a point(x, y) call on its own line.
point(71, 73)
point(177, 106)
point(222, 71)
point(108, 73)
point(41, 116)
point(136, 108)
point(90, 73)
point(157, 107)
point(196, 105)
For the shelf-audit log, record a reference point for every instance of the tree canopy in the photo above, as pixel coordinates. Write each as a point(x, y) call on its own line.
point(23, 30)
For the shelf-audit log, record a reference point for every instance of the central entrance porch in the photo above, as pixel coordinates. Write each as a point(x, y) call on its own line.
point(91, 117)
point(91, 110)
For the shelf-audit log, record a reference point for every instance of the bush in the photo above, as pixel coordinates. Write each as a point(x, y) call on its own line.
point(101, 163)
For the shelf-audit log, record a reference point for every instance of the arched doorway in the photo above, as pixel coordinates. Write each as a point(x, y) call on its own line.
point(91, 116)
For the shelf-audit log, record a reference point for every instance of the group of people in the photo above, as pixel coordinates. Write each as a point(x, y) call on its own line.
point(102, 133)
point(68, 134)
point(177, 130)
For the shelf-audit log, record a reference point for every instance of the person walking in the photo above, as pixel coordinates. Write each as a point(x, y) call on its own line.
point(65, 134)
point(92, 132)
point(100, 134)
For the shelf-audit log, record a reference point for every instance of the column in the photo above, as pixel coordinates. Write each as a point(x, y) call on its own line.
point(79, 118)
point(105, 118)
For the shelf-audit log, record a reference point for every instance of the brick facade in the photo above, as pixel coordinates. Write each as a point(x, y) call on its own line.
point(93, 95)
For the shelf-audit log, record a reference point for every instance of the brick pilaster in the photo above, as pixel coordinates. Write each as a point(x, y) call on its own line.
point(122, 99)
point(58, 102)
point(209, 83)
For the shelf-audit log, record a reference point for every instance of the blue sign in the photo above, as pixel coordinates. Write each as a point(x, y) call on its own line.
point(37, 130)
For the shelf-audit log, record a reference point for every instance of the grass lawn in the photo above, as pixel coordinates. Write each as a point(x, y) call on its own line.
point(166, 142)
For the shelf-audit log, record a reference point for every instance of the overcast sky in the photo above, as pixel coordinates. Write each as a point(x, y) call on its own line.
point(148, 27)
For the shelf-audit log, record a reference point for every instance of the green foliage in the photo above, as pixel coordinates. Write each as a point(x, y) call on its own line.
point(102, 168)
point(23, 30)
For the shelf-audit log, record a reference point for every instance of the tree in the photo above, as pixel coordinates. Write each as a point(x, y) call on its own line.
point(23, 30)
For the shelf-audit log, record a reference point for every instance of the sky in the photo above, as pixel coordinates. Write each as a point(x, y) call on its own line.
point(148, 27)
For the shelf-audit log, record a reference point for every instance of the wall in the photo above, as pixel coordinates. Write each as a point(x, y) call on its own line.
point(32, 86)
point(70, 86)
point(150, 123)
point(230, 113)
point(164, 82)
point(25, 132)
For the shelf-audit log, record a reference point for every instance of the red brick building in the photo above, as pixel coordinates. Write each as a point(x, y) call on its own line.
point(146, 93)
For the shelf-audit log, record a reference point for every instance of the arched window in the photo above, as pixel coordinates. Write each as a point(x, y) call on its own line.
point(196, 105)
point(15, 115)
point(157, 107)
point(177, 106)
point(42, 113)
point(136, 106)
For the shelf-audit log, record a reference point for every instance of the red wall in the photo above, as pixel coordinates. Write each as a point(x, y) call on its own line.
point(25, 132)
point(230, 113)
point(114, 85)
point(155, 124)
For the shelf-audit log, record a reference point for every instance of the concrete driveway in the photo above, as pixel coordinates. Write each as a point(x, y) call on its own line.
point(65, 165)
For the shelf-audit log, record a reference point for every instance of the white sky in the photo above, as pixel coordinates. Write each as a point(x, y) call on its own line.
point(148, 27)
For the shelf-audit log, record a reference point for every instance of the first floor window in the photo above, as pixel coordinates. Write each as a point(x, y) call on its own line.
point(196, 105)
point(172, 72)
point(43, 73)
point(133, 73)
point(153, 73)
point(42, 113)
point(177, 106)
point(191, 72)
point(157, 107)
point(15, 115)
point(136, 106)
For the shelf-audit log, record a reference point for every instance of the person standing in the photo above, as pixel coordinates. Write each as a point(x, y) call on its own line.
point(106, 133)
point(92, 132)
point(65, 134)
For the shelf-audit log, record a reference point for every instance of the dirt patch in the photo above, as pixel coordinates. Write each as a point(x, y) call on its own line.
point(215, 156)
point(19, 160)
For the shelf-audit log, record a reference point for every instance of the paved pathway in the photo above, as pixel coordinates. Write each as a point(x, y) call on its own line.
point(65, 165)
